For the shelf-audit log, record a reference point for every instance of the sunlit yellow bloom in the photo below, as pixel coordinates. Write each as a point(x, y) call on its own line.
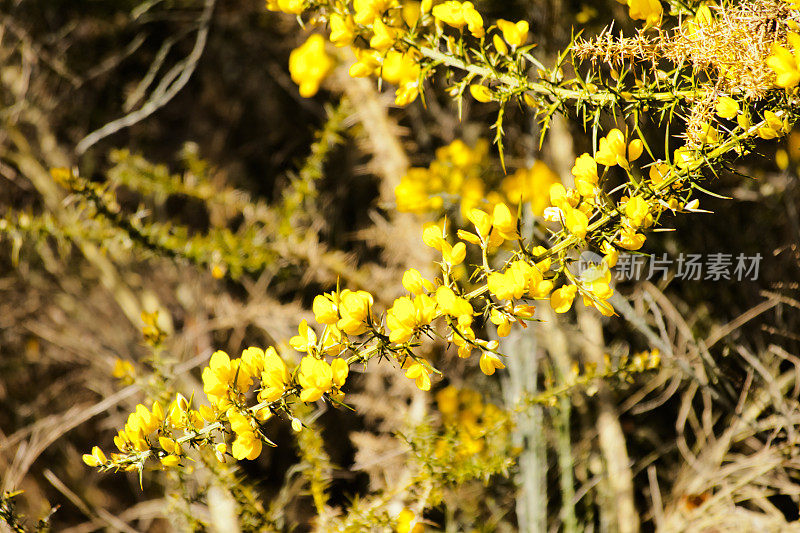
point(515, 34)
point(96, 458)
point(315, 377)
point(451, 304)
point(247, 445)
point(295, 7)
point(648, 10)
point(418, 373)
point(499, 45)
point(613, 150)
point(400, 68)
point(367, 63)
point(576, 222)
point(367, 10)
point(561, 299)
point(454, 255)
point(342, 30)
point(611, 254)
point(504, 221)
point(222, 374)
point(274, 378)
point(407, 522)
point(489, 362)
point(775, 126)
point(354, 308)
point(481, 93)
point(630, 240)
point(309, 64)
point(458, 15)
point(658, 172)
point(727, 107)
point(306, 340)
point(637, 210)
point(325, 308)
point(432, 236)
point(415, 283)
point(406, 315)
point(383, 37)
point(585, 172)
point(530, 185)
point(786, 64)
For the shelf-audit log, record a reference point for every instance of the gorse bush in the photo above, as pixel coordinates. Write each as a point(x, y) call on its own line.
point(696, 89)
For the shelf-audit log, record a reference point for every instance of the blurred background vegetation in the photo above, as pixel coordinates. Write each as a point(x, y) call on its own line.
point(225, 202)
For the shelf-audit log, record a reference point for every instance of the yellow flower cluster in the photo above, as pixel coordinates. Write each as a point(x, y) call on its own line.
point(227, 383)
point(456, 173)
point(469, 423)
point(149, 431)
point(459, 173)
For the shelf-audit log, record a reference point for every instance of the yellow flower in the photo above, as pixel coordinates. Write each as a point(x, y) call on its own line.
point(306, 341)
point(406, 315)
point(530, 185)
point(585, 172)
point(252, 361)
point(295, 7)
point(415, 283)
point(499, 45)
point(400, 68)
point(222, 374)
point(683, 157)
point(785, 64)
point(325, 308)
point(658, 172)
point(122, 369)
point(367, 62)
point(481, 93)
point(648, 10)
point(367, 10)
point(418, 373)
point(432, 235)
point(383, 37)
point(630, 240)
point(612, 150)
point(775, 127)
point(407, 522)
point(315, 377)
point(246, 446)
point(611, 254)
point(406, 93)
point(489, 362)
point(504, 221)
point(458, 15)
point(96, 458)
point(515, 34)
point(309, 64)
point(576, 222)
point(454, 255)
point(274, 378)
point(727, 107)
point(451, 304)
point(637, 210)
point(339, 371)
point(502, 321)
point(355, 310)
point(342, 30)
point(562, 298)
point(513, 283)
